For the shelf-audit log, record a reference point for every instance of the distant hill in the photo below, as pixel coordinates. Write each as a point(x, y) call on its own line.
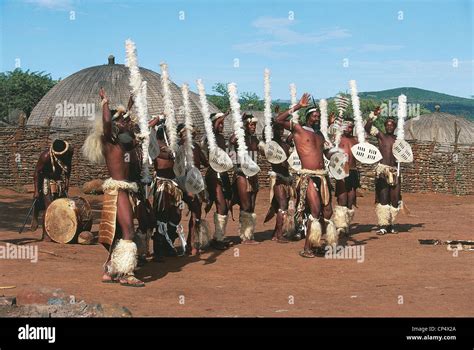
point(428, 99)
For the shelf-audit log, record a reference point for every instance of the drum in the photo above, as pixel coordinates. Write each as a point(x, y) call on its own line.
point(66, 218)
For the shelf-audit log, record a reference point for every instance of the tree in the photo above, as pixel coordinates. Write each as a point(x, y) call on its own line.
point(22, 90)
point(221, 100)
point(250, 101)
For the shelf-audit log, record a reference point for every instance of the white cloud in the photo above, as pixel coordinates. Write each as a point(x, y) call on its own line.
point(276, 32)
point(379, 48)
point(279, 29)
point(52, 4)
point(364, 48)
point(261, 47)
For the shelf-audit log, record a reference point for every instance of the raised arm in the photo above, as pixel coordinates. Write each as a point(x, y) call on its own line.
point(369, 125)
point(165, 152)
point(233, 140)
point(282, 117)
point(106, 117)
point(130, 102)
point(155, 120)
point(332, 118)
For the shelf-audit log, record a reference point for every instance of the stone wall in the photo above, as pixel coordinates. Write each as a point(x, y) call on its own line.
point(20, 149)
point(441, 168)
point(437, 167)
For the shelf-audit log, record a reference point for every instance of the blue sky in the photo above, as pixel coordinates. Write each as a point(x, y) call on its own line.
point(319, 45)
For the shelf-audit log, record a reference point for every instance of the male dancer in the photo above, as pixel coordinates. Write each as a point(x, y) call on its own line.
point(346, 188)
point(281, 189)
point(387, 183)
point(167, 197)
point(113, 138)
point(245, 188)
point(197, 238)
point(314, 196)
point(219, 187)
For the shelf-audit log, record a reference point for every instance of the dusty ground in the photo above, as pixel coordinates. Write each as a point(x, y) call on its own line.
point(398, 277)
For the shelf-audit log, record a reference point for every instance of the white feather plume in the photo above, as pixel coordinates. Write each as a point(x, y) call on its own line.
point(267, 112)
point(142, 107)
point(132, 64)
point(323, 106)
point(170, 121)
point(139, 90)
point(357, 113)
point(238, 126)
point(188, 124)
point(337, 137)
point(342, 103)
point(294, 115)
point(211, 138)
point(402, 114)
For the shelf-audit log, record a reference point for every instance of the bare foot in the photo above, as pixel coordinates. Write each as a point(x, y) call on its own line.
point(282, 239)
point(131, 281)
point(106, 278)
point(307, 254)
point(250, 242)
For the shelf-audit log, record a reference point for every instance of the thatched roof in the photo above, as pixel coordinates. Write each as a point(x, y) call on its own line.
point(439, 127)
point(83, 88)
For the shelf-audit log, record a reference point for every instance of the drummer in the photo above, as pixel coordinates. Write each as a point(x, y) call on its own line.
point(51, 179)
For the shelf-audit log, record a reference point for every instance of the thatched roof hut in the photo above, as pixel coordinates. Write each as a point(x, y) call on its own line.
point(440, 127)
point(81, 90)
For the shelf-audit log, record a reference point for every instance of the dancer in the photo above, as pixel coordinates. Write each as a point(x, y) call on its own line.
point(314, 196)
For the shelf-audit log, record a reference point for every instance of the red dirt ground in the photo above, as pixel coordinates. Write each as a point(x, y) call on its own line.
point(399, 277)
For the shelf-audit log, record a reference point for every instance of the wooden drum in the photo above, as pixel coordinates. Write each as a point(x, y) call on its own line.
point(66, 218)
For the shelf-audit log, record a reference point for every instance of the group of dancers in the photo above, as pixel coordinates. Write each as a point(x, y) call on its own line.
point(305, 146)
